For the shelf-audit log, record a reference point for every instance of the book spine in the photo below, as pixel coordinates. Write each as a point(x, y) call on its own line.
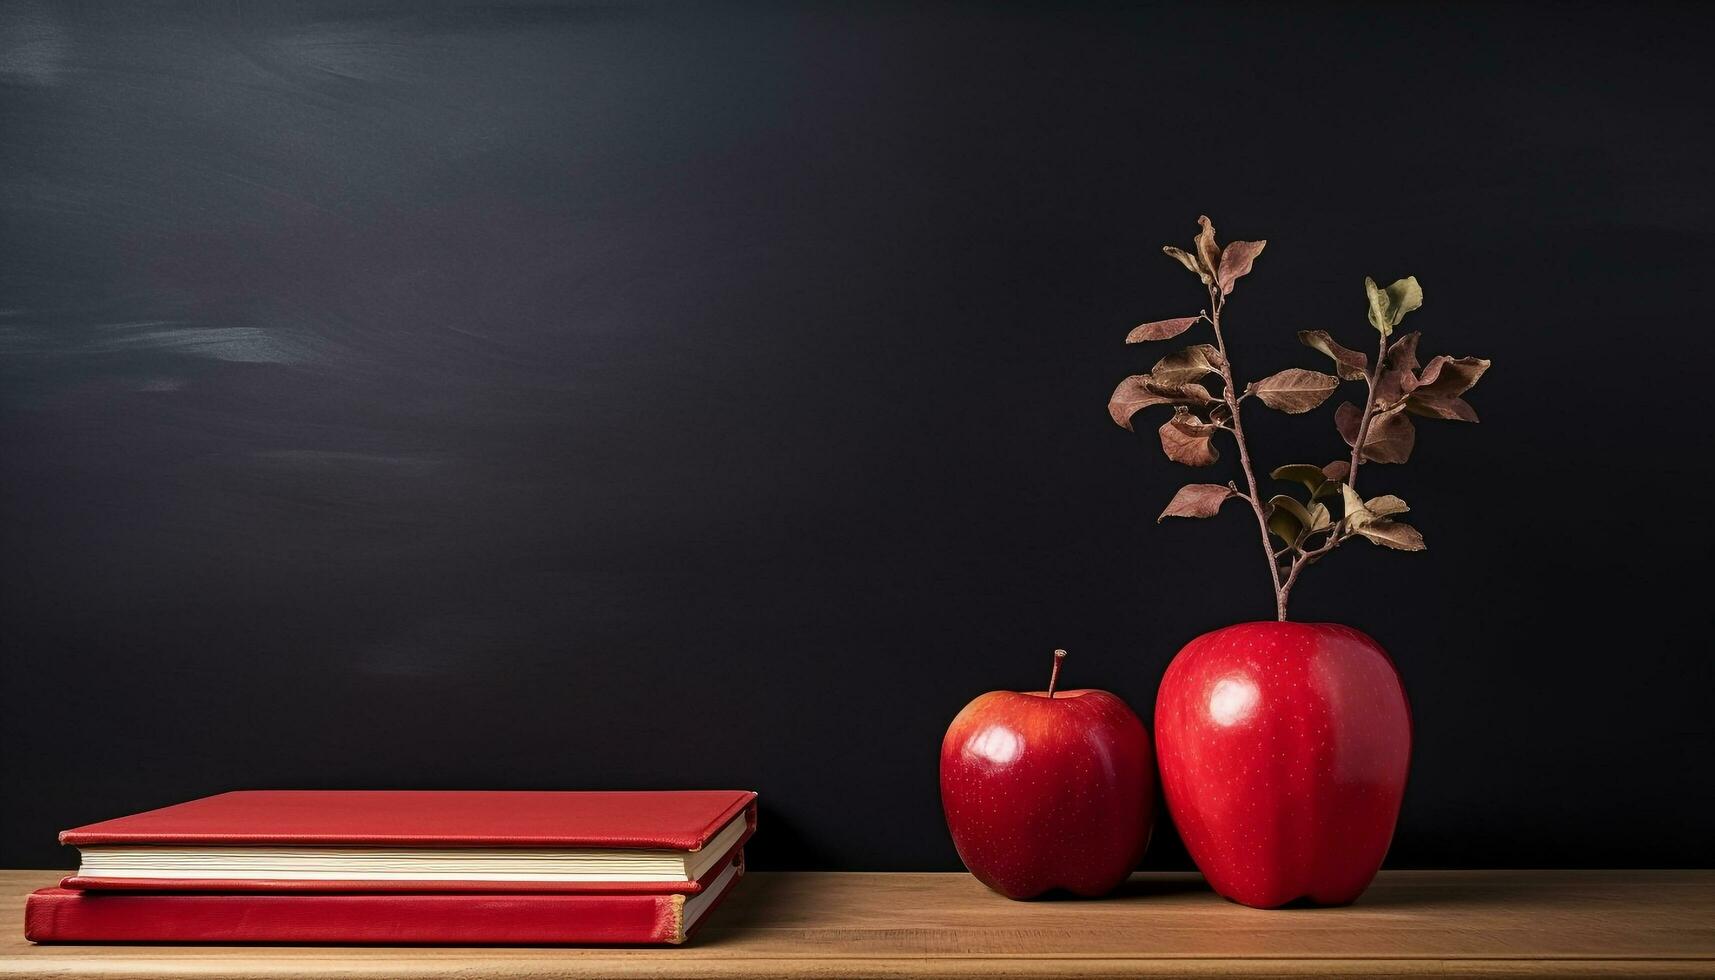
point(61, 915)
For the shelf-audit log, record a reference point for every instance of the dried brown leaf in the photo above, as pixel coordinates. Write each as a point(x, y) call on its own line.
point(1160, 329)
point(1188, 393)
point(1338, 470)
point(1236, 260)
point(1444, 375)
point(1402, 353)
point(1390, 439)
point(1393, 385)
point(1295, 390)
point(1199, 394)
point(1444, 379)
point(1197, 500)
point(1347, 418)
point(1131, 396)
point(1385, 505)
point(1187, 439)
point(1207, 251)
point(1190, 364)
point(1191, 262)
point(1349, 364)
point(1393, 534)
point(1433, 406)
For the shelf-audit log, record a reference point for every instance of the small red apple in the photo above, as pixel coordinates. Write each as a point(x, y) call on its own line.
point(1047, 789)
point(1284, 749)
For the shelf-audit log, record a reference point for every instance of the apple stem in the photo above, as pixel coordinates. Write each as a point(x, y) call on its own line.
point(1054, 678)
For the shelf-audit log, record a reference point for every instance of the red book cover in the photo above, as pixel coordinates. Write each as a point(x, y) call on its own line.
point(652, 820)
point(66, 916)
point(668, 819)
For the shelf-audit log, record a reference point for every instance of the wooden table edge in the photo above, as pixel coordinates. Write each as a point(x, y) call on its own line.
point(880, 968)
point(1514, 919)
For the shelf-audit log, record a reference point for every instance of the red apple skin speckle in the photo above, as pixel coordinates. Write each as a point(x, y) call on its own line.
point(1283, 750)
point(1044, 794)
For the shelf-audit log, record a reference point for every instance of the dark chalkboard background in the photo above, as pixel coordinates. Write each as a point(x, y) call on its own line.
point(408, 394)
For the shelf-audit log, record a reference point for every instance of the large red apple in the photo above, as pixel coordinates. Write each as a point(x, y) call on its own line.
point(1284, 749)
point(1048, 789)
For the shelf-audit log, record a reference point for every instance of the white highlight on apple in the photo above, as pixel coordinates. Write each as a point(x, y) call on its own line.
point(1233, 700)
point(996, 744)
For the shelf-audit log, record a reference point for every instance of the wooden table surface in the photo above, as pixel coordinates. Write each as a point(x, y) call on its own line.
point(1439, 923)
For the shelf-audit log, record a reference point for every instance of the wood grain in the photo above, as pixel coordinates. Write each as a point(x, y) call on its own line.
point(1411, 923)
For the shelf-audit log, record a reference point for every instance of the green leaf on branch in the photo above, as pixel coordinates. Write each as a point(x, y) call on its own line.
point(1197, 500)
point(1283, 523)
point(1182, 367)
point(1319, 517)
point(1355, 514)
point(1161, 329)
point(1349, 364)
point(1393, 534)
point(1370, 521)
point(1187, 439)
point(1236, 260)
point(1295, 390)
point(1389, 306)
point(1380, 318)
point(1191, 262)
point(1311, 476)
point(1287, 516)
point(1404, 296)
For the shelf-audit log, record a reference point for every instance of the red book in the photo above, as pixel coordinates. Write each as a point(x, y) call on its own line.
point(645, 842)
point(63, 915)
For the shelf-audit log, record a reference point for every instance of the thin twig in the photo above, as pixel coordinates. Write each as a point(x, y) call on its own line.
point(1216, 301)
point(1304, 558)
point(1370, 402)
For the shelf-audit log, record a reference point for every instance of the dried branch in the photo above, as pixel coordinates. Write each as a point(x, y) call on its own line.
point(1378, 432)
point(1217, 301)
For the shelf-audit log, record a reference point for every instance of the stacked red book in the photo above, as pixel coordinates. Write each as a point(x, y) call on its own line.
point(289, 866)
